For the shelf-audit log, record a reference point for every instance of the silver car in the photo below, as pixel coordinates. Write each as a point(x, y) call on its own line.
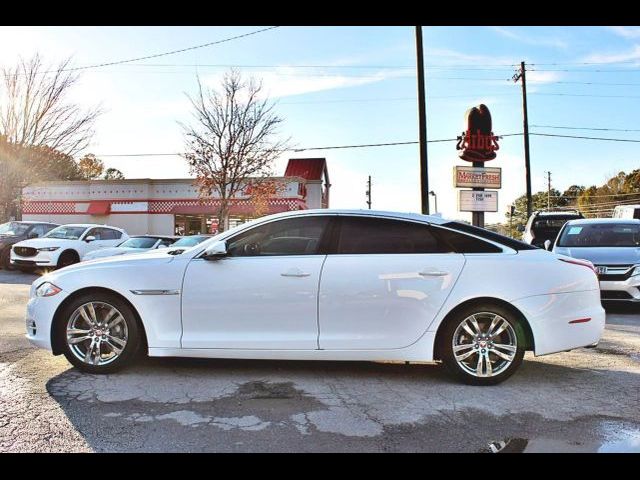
point(613, 246)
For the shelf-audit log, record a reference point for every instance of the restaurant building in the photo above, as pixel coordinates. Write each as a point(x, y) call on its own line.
point(169, 206)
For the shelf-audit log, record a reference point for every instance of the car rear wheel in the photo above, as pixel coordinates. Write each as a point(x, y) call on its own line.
point(100, 333)
point(483, 344)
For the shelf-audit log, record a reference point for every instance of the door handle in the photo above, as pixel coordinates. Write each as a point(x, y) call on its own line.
point(295, 272)
point(432, 273)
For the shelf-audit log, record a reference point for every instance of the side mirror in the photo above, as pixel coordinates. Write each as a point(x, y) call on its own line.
point(162, 246)
point(520, 227)
point(547, 245)
point(90, 238)
point(215, 251)
point(33, 235)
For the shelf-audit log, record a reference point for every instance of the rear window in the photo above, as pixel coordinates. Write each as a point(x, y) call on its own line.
point(488, 235)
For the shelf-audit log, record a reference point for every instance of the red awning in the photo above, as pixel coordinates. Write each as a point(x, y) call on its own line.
point(99, 208)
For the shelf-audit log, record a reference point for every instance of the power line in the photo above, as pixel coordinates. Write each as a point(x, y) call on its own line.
point(587, 138)
point(597, 196)
point(588, 128)
point(163, 54)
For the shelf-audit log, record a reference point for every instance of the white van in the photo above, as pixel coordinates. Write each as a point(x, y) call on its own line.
point(626, 211)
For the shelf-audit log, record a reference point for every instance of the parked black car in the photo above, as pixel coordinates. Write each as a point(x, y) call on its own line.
point(14, 232)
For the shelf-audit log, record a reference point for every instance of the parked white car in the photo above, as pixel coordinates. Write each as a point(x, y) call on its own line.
point(325, 285)
point(133, 245)
point(65, 245)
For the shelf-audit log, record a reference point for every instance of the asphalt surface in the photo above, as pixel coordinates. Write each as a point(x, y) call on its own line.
point(585, 400)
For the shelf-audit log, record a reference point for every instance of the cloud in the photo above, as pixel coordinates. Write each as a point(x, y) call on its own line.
point(626, 32)
point(531, 40)
point(632, 55)
point(448, 56)
point(539, 78)
point(288, 81)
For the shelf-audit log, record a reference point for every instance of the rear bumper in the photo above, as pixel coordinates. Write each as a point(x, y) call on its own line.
point(550, 315)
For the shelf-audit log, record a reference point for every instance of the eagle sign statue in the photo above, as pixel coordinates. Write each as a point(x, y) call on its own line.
point(478, 143)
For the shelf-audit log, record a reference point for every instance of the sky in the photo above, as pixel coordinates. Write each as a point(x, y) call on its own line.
point(344, 85)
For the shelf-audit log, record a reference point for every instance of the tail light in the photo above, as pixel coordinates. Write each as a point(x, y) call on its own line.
point(583, 263)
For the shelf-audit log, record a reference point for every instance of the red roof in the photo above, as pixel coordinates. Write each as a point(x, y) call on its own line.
point(100, 207)
point(307, 168)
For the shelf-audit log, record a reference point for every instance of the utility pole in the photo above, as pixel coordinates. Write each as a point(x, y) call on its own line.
point(368, 192)
point(422, 118)
point(521, 75)
point(548, 191)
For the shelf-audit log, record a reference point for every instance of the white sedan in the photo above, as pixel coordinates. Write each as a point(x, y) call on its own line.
point(133, 245)
point(325, 285)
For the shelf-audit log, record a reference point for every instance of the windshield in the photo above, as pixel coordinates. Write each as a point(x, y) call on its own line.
point(139, 242)
point(189, 241)
point(601, 235)
point(14, 228)
point(66, 232)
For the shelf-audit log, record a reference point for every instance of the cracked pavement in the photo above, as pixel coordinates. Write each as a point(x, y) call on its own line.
point(583, 400)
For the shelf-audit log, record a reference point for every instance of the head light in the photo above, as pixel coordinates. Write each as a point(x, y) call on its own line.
point(48, 249)
point(47, 289)
point(635, 271)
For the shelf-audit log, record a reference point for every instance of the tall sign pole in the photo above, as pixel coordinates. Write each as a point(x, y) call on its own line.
point(477, 145)
point(522, 75)
point(422, 117)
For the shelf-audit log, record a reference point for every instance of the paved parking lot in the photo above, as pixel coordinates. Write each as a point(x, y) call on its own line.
point(584, 400)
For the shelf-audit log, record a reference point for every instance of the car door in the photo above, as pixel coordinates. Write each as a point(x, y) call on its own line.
point(383, 284)
point(263, 294)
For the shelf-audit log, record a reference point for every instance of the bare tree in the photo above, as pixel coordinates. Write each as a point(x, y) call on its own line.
point(35, 109)
point(233, 139)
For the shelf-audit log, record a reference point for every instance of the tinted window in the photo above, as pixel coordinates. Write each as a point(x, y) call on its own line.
point(493, 236)
point(38, 230)
point(293, 236)
point(601, 235)
point(365, 235)
point(13, 228)
point(461, 243)
point(110, 234)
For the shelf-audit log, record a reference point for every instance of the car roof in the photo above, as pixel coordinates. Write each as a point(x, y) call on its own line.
point(33, 222)
point(85, 225)
point(567, 213)
point(372, 213)
point(148, 235)
point(594, 221)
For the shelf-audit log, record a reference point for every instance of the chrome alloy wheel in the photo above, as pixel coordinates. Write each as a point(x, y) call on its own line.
point(97, 333)
point(484, 344)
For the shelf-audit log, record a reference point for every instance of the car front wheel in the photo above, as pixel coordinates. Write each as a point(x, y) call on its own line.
point(100, 333)
point(483, 345)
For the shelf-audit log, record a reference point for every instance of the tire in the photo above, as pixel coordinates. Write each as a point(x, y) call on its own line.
point(124, 334)
point(68, 257)
point(468, 366)
point(5, 259)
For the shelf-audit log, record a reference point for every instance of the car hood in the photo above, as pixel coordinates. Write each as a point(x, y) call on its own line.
point(120, 261)
point(109, 252)
point(603, 255)
point(43, 242)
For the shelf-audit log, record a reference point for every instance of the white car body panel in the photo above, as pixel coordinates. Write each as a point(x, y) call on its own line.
point(248, 302)
point(387, 304)
point(225, 309)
